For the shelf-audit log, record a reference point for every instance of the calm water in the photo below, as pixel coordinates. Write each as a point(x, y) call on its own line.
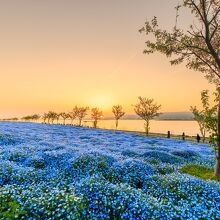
point(190, 128)
point(176, 127)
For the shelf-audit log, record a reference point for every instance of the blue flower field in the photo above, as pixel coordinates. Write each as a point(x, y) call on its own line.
point(65, 172)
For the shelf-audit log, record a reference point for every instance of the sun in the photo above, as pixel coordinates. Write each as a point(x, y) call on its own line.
point(104, 102)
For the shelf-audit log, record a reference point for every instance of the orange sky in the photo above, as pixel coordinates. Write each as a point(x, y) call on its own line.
point(56, 54)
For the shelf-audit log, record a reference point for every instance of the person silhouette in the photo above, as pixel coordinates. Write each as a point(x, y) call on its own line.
point(183, 136)
point(198, 138)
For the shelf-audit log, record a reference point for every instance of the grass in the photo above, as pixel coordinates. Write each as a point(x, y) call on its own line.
point(200, 172)
point(160, 135)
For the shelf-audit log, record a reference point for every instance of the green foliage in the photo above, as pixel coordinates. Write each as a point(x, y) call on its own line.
point(43, 203)
point(207, 117)
point(9, 208)
point(199, 116)
point(200, 172)
point(37, 163)
point(197, 46)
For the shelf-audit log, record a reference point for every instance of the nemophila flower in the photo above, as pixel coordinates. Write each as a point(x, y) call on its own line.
point(163, 157)
point(186, 154)
point(61, 172)
point(8, 139)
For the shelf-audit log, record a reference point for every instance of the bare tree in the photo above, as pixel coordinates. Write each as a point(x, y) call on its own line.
point(27, 118)
point(52, 116)
point(35, 117)
point(198, 47)
point(81, 113)
point(65, 116)
point(96, 115)
point(57, 117)
point(44, 117)
point(118, 113)
point(73, 114)
point(147, 110)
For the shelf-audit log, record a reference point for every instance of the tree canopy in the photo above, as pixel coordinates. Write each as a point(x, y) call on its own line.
point(198, 47)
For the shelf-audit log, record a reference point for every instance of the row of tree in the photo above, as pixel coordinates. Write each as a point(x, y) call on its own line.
point(77, 113)
point(34, 117)
point(146, 109)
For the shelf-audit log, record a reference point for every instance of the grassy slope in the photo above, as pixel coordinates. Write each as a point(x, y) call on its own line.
point(200, 172)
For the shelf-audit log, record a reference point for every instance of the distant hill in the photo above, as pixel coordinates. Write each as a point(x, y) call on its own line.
point(163, 116)
point(176, 116)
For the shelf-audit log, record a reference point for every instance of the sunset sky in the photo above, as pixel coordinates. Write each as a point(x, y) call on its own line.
point(59, 53)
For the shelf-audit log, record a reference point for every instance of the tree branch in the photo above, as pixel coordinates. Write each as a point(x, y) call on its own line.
point(214, 17)
point(206, 63)
point(198, 10)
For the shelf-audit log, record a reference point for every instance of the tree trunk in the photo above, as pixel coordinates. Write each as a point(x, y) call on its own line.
point(116, 124)
point(204, 136)
point(217, 165)
point(147, 127)
point(95, 124)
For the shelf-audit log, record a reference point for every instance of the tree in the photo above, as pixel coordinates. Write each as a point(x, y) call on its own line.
point(207, 117)
point(118, 113)
point(35, 117)
point(147, 110)
point(57, 117)
point(10, 119)
point(45, 117)
point(96, 115)
point(199, 116)
point(198, 47)
point(73, 114)
point(81, 113)
point(51, 116)
point(26, 118)
point(64, 115)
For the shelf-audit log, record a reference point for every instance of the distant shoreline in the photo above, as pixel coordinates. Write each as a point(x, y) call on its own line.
point(108, 119)
point(139, 119)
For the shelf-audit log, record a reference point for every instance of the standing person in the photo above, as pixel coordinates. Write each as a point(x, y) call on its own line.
point(183, 136)
point(198, 138)
point(168, 134)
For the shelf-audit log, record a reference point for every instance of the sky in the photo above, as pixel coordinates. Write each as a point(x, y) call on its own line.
point(56, 54)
